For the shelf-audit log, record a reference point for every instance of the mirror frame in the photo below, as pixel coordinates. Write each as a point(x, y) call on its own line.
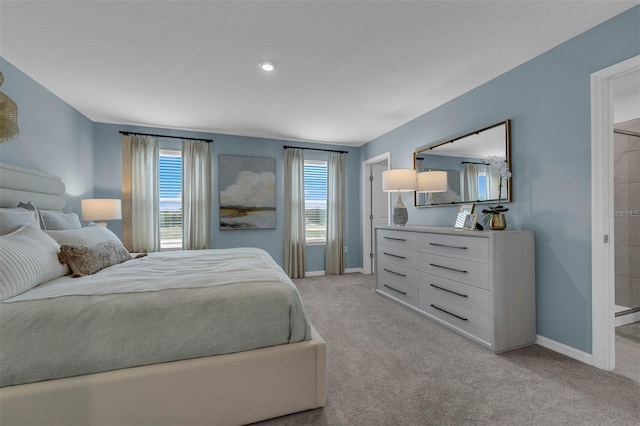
point(509, 198)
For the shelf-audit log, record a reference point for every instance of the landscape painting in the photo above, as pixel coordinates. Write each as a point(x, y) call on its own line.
point(247, 192)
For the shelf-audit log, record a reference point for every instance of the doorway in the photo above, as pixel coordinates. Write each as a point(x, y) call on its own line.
point(603, 212)
point(375, 211)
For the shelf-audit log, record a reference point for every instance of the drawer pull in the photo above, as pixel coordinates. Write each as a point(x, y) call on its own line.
point(446, 267)
point(447, 312)
point(401, 292)
point(449, 291)
point(447, 246)
point(396, 273)
point(395, 255)
point(394, 239)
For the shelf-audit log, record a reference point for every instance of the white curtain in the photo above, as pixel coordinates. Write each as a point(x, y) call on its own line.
point(493, 183)
point(196, 195)
point(140, 194)
point(470, 182)
point(334, 258)
point(294, 218)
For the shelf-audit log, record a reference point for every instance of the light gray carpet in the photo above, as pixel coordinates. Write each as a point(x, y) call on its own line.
point(391, 366)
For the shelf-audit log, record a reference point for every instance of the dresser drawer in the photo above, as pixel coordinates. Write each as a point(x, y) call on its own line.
point(465, 295)
point(466, 319)
point(465, 271)
point(398, 290)
point(461, 247)
point(402, 257)
point(399, 239)
point(397, 273)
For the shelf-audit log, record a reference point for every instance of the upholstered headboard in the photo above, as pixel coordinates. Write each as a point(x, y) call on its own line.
point(18, 184)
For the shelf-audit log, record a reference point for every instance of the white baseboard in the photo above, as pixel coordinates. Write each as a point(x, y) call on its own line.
point(627, 319)
point(564, 349)
point(346, 271)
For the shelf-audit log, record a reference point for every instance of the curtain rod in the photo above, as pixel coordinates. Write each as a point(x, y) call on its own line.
point(315, 149)
point(472, 162)
point(122, 132)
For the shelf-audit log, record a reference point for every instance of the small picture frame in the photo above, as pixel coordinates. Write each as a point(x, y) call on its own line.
point(463, 211)
point(470, 222)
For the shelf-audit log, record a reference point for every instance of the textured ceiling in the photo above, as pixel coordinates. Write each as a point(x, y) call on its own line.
point(347, 71)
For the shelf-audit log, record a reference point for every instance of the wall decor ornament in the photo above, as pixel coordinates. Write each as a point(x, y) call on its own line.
point(247, 192)
point(8, 117)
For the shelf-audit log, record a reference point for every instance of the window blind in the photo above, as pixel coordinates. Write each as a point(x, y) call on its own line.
point(315, 200)
point(170, 171)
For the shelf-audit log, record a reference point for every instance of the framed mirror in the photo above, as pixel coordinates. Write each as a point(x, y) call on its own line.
point(478, 168)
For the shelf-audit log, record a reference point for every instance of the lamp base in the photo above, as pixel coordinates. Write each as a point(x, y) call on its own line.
point(102, 223)
point(400, 215)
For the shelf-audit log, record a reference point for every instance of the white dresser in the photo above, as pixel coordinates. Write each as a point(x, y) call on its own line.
point(480, 284)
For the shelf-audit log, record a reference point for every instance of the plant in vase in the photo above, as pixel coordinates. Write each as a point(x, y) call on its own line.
point(493, 216)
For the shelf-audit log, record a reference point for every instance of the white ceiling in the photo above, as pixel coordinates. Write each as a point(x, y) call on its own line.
point(347, 71)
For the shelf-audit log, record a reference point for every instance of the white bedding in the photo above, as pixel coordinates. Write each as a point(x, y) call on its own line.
point(166, 270)
point(160, 308)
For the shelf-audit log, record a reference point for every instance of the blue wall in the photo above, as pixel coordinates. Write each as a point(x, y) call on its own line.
point(108, 184)
point(54, 137)
point(548, 101)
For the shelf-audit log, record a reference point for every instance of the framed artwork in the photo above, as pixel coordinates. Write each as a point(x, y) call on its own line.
point(463, 211)
point(247, 192)
point(470, 222)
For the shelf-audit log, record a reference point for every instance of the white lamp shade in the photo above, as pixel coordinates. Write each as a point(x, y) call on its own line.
point(399, 180)
point(432, 181)
point(101, 209)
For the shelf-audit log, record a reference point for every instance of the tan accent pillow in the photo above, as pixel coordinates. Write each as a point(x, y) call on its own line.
point(87, 260)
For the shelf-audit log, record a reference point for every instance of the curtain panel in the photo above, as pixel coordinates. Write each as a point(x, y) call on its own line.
point(294, 214)
point(196, 195)
point(140, 194)
point(334, 258)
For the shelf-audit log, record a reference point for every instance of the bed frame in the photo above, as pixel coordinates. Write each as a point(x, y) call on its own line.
point(233, 389)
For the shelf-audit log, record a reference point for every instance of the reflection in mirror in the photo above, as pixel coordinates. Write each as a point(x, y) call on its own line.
point(478, 167)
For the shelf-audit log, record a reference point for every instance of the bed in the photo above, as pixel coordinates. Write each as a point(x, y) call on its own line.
point(199, 362)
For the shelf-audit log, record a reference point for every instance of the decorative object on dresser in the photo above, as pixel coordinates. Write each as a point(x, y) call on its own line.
point(494, 217)
point(101, 209)
point(470, 222)
point(430, 182)
point(480, 284)
point(399, 180)
point(463, 211)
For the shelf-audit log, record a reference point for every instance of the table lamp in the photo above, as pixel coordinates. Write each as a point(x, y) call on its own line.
point(399, 180)
point(101, 209)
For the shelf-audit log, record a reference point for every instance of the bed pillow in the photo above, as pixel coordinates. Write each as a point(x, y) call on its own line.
point(87, 260)
point(57, 220)
point(13, 219)
point(31, 207)
point(28, 257)
point(88, 236)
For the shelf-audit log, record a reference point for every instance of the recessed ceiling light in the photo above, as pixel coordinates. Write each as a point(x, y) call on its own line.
point(267, 65)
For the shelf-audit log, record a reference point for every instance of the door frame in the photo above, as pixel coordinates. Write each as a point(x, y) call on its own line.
point(602, 219)
point(366, 232)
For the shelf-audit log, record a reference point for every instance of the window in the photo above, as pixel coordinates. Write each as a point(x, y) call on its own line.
point(315, 201)
point(170, 171)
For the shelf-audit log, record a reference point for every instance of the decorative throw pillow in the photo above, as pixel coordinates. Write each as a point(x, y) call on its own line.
point(57, 220)
point(13, 219)
point(28, 257)
point(87, 260)
point(88, 236)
